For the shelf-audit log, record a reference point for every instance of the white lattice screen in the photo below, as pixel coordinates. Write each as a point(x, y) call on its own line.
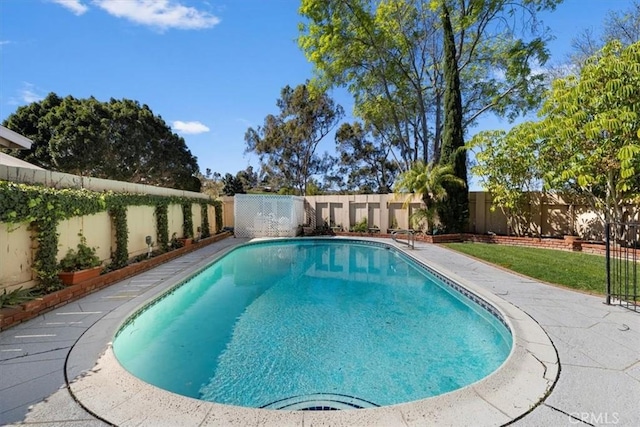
point(267, 215)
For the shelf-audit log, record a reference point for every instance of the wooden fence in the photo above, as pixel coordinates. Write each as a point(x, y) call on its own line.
point(551, 215)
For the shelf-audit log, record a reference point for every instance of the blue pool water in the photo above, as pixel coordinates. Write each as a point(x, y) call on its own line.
point(276, 324)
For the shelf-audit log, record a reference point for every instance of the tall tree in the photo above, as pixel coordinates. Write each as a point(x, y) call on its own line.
point(212, 184)
point(590, 125)
point(248, 178)
point(453, 210)
point(389, 54)
point(509, 168)
point(286, 144)
point(29, 120)
point(365, 164)
point(370, 50)
point(119, 139)
point(232, 185)
point(623, 26)
point(588, 141)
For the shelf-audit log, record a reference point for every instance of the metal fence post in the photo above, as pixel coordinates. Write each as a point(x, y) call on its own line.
point(607, 237)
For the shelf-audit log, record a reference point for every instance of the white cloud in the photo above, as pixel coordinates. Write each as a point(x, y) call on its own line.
point(26, 95)
point(29, 94)
point(74, 6)
point(162, 14)
point(189, 128)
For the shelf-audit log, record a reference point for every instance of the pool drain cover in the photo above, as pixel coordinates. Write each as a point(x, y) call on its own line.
point(320, 402)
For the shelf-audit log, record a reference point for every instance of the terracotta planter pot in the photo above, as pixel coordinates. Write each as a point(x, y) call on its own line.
point(73, 277)
point(186, 242)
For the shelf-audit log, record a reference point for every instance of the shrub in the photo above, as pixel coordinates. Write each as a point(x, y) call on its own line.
point(361, 226)
point(15, 297)
point(81, 259)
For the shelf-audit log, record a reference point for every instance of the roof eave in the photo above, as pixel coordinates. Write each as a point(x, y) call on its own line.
point(11, 139)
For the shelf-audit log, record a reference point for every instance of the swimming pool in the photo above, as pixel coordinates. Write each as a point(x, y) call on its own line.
point(314, 324)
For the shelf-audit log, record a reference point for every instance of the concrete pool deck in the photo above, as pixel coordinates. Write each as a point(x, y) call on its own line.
point(598, 348)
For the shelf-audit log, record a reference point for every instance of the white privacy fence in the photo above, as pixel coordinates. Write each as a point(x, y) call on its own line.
point(267, 215)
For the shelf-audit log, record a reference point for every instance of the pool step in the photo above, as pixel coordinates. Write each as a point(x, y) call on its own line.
point(320, 402)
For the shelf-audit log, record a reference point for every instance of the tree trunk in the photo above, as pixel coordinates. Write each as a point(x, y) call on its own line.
point(438, 135)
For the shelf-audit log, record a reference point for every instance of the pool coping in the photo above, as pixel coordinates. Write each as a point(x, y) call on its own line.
point(523, 381)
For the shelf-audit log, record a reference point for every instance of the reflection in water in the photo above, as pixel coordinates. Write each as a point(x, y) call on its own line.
point(277, 319)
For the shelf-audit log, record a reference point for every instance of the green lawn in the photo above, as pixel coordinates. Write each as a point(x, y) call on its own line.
point(571, 269)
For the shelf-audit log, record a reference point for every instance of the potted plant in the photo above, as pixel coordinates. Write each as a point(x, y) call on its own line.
point(79, 265)
point(187, 225)
point(185, 241)
point(173, 242)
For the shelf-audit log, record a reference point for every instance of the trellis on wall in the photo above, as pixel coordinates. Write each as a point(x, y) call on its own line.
point(266, 215)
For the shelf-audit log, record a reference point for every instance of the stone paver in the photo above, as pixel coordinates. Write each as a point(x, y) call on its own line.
point(33, 354)
point(598, 345)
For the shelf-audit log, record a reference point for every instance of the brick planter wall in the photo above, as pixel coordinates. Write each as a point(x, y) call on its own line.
point(594, 248)
point(535, 242)
point(30, 309)
point(566, 244)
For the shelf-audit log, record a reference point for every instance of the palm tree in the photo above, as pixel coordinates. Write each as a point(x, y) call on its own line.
point(426, 181)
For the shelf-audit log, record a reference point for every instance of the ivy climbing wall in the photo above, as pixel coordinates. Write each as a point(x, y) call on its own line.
point(17, 245)
point(42, 212)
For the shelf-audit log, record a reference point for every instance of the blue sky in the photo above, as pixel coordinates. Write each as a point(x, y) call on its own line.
point(211, 69)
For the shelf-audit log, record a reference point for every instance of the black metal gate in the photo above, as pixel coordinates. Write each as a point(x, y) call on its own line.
point(623, 255)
